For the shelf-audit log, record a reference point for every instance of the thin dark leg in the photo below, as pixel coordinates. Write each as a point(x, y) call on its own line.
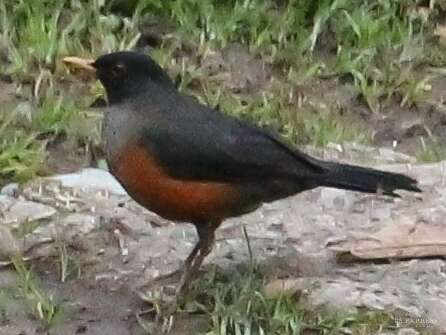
point(206, 235)
point(193, 253)
point(187, 263)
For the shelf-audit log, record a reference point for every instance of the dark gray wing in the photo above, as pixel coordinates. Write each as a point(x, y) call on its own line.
point(192, 142)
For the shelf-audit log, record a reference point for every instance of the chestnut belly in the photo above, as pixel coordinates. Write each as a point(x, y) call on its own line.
point(182, 200)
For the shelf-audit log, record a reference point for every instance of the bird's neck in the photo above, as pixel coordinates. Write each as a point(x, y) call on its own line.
point(118, 93)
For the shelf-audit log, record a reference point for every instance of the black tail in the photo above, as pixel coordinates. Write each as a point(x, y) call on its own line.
point(355, 178)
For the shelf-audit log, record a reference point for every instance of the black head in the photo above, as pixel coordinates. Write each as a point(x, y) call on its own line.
point(127, 73)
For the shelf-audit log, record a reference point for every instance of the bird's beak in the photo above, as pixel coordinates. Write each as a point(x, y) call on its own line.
point(80, 63)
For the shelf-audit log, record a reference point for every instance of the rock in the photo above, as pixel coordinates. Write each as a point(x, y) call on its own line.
point(9, 245)
point(391, 156)
point(332, 198)
point(303, 231)
point(91, 178)
point(343, 291)
point(375, 300)
point(66, 229)
point(80, 223)
point(27, 211)
point(436, 312)
point(5, 202)
point(10, 190)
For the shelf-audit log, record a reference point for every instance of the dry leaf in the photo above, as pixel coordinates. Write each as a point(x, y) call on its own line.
point(289, 286)
point(400, 240)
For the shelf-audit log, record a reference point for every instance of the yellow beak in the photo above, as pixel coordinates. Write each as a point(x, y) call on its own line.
point(80, 63)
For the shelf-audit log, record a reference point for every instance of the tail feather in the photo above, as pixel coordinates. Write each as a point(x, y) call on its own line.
point(366, 180)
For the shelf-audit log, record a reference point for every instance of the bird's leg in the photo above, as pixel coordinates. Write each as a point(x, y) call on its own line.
point(191, 256)
point(206, 238)
point(202, 231)
point(187, 263)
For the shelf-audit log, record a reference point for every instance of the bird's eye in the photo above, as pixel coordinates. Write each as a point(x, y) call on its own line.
point(118, 70)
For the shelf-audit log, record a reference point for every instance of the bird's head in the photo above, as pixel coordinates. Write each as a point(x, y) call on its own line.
point(124, 73)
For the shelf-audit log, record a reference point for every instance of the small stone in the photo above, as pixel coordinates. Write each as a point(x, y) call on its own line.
point(80, 223)
point(335, 199)
point(26, 211)
point(9, 246)
point(335, 146)
point(91, 178)
point(151, 274)
point(11, 190)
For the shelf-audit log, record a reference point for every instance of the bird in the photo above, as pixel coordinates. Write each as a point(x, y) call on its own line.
point(188, 162)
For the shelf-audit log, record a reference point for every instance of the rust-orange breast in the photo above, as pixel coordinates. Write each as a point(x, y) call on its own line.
point(175, 199)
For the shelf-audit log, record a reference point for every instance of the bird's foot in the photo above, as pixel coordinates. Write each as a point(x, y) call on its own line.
point(169, 278)
point(166, 286)
point(163, 293)
point(157, 294)
point(159, 317)
point(162, 300)
point(161, 290)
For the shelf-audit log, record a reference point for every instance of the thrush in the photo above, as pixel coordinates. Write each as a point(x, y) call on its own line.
point(188, 162)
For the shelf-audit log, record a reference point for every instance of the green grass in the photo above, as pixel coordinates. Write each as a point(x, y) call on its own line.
point(325, 129)
point(39, 303)
point(29, 292)
point(377, 44)
point(236, 304)
point(54, 114)
point(40, 32)
point(67, 264)
point(430, 151)
point(21, 155)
